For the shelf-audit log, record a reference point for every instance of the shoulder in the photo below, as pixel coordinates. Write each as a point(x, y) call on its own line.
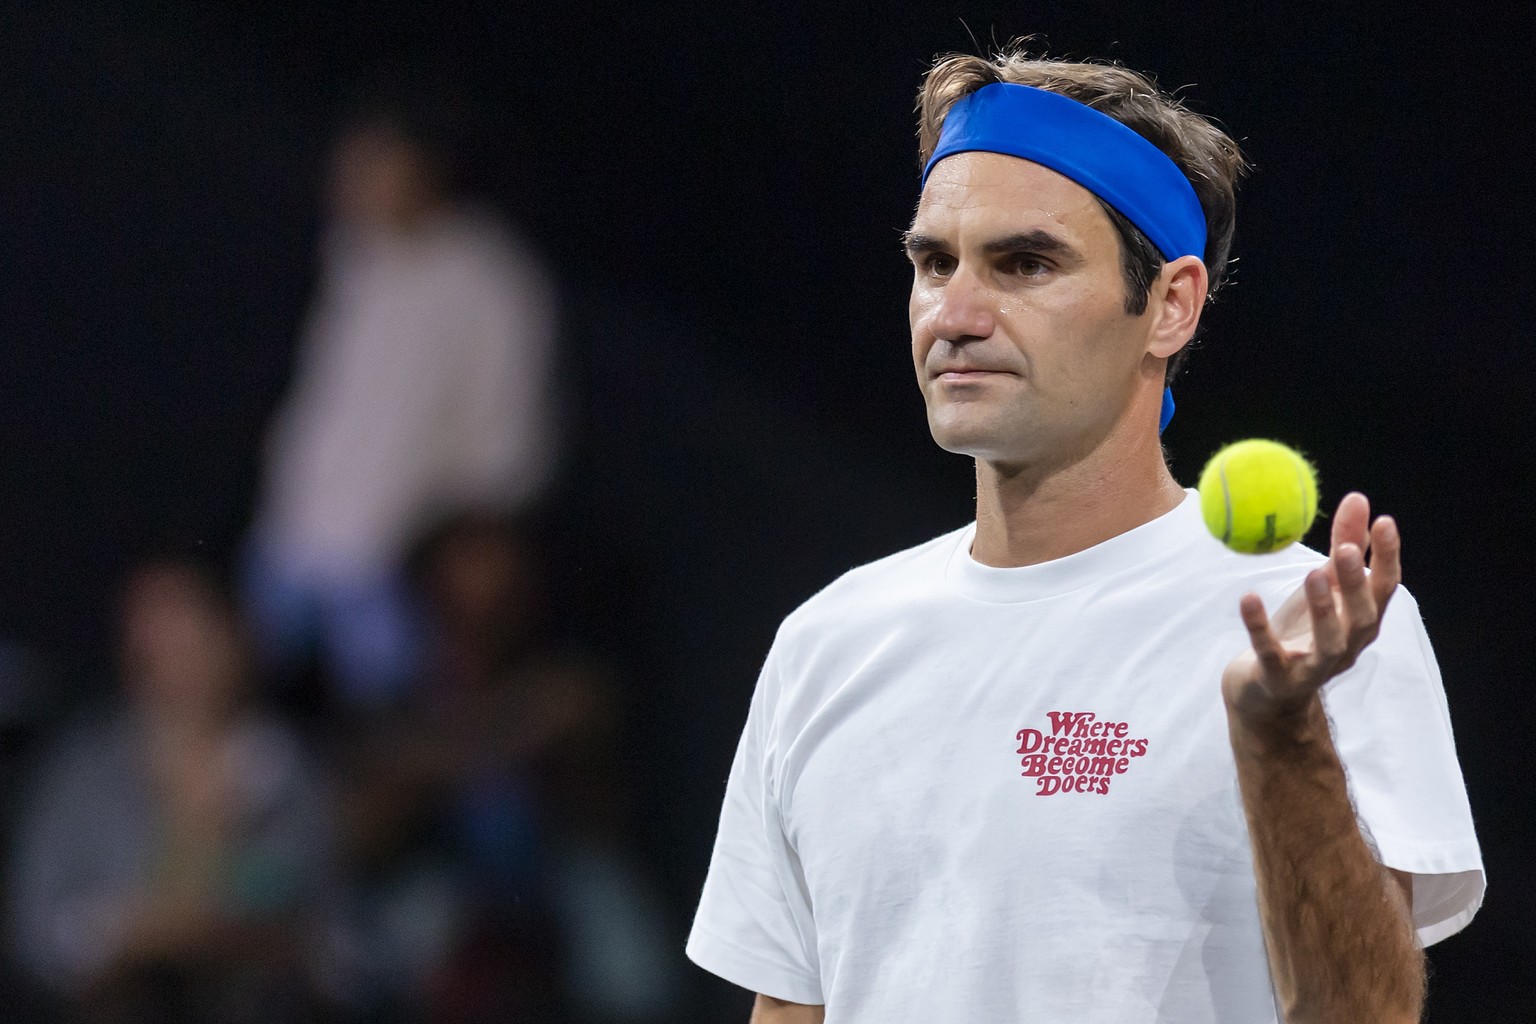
point(101, 741)
point(1275, 576)
point(91, 765)
point(477, 238)
point(874, 590)
point(1402, 645)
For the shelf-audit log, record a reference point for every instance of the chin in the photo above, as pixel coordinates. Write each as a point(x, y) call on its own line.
point(975, 440)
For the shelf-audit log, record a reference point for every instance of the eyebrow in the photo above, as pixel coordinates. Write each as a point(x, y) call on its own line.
point(1037, 242)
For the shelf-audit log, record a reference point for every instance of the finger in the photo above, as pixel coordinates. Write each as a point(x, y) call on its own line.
point(1386, 561)
point(1355, 594)
point(1265, 644)
point(1349, 526)
point(1327, 630)
point(1350, 522)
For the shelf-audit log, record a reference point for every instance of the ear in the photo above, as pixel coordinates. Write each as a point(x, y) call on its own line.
point(1176, 300)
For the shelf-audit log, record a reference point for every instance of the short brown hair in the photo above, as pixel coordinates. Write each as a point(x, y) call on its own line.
point(1209, 158)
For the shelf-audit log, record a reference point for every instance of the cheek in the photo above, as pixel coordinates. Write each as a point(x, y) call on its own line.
point(919, 306)
point(919, 302)
point(1072, 327)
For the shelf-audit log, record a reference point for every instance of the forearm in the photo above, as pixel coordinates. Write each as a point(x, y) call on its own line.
point(1336, 924)
point(767, 1010)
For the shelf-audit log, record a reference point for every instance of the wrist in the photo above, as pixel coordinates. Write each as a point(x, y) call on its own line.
point(1264, 726)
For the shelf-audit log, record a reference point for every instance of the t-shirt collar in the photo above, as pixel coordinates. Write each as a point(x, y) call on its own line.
point(1160, 538)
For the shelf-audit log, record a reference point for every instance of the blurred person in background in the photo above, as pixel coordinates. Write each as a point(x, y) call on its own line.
point(486, 820)
point(421, 386)
point(172, 853)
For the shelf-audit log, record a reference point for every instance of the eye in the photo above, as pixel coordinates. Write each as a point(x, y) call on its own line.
point(1027, 266)
point(938, 265)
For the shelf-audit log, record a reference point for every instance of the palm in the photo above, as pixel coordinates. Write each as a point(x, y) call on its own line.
point(1320, 629)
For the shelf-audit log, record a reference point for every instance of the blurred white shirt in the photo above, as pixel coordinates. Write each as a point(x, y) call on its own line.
point(423, 386)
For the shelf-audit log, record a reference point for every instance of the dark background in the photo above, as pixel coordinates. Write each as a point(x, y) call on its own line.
point(721, 191)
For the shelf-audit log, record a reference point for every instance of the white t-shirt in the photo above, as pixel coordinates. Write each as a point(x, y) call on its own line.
point(976, 794)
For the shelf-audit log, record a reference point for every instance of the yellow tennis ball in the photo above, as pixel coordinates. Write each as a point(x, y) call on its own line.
point(1258, 496)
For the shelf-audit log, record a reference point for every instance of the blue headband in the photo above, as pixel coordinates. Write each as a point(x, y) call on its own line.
point(1099, 153)
point(1093, 149)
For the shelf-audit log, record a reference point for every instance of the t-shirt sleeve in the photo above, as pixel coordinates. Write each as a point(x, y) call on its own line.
point(754, 926)
point(1392, 729)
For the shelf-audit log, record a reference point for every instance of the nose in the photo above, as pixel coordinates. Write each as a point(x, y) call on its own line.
point(963, 310)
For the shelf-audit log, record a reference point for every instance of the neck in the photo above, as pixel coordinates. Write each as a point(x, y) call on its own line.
point(1028, 515)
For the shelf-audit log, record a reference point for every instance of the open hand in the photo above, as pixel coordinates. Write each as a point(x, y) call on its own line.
point(1320, 629)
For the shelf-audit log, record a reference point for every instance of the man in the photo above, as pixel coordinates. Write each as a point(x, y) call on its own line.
point(173, 858)
point(421, 389)
point(1062, 764)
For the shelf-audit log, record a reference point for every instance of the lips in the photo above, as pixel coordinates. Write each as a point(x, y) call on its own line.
point(964, 372)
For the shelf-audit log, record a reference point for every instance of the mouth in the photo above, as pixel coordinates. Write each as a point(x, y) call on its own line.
point(963, 374)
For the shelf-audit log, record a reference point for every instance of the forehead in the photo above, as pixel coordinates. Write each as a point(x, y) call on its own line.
point(976, 194)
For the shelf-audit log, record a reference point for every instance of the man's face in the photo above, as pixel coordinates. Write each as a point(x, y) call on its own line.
point(378, 178)
point(181, 652)
point(1022, 345)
